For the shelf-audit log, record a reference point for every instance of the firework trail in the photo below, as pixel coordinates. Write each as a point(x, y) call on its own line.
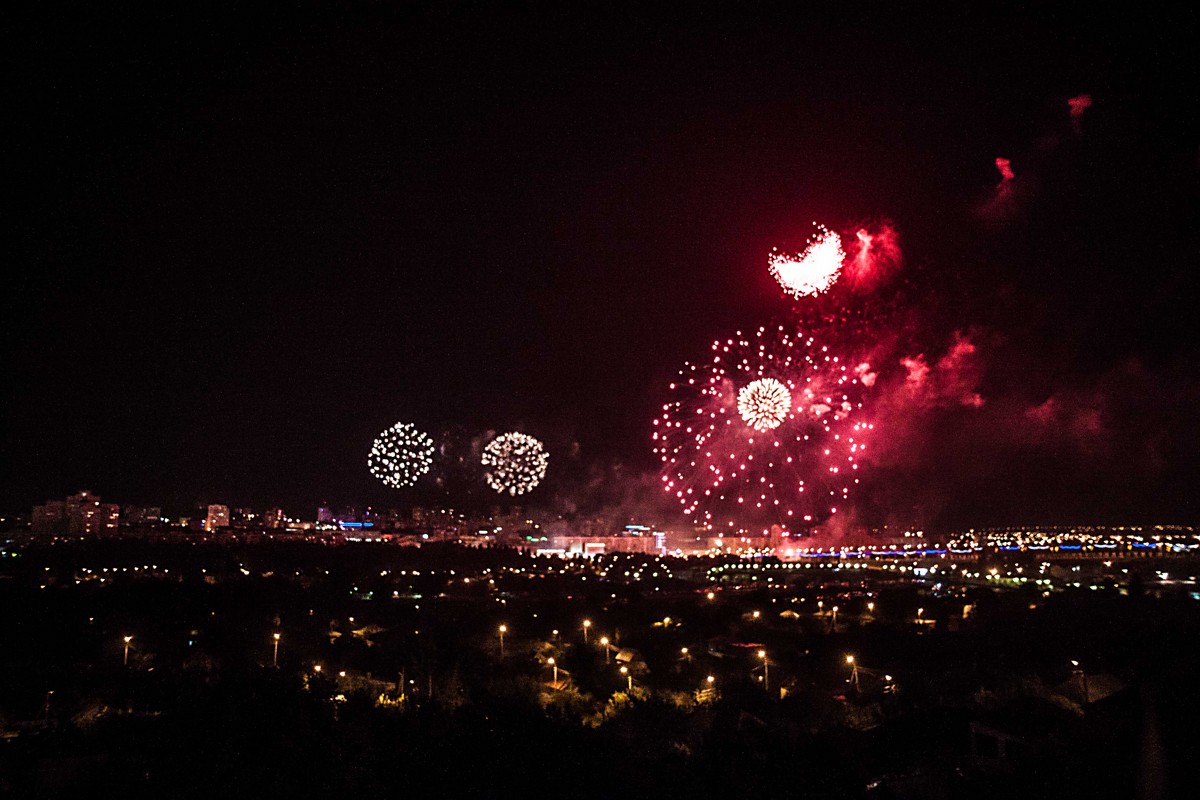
point(770, 430)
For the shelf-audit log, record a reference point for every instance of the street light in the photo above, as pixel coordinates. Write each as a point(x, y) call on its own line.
point(1083, 679)
point(833, 621)
point(604, 644)
point(550, 661)
point(128, 639)
point(625, 672)
point(587, 624)
point(503, 630)
point(853, 671)
point(275, 651)
point(766, 670)
point(683, 653)
point(871, 607)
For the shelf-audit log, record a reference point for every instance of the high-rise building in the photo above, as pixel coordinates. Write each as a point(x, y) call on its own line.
point(218, 517)
point(49, 518)
point(79, 514)
point(137, 516)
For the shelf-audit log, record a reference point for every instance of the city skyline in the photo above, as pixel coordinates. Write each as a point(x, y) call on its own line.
point(251, 244)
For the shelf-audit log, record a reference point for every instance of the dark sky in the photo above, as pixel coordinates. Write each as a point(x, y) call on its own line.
point(243, 242)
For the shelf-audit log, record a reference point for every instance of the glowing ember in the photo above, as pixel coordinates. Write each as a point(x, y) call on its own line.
point(1004, 167)
point(814, 270)
point(764, 403)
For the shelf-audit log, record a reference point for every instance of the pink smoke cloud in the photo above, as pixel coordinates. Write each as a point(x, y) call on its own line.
point(952, 380)
point(873, 256)
point(1078, 105)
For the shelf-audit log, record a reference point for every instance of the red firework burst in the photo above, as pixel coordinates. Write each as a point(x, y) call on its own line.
point(728, 474)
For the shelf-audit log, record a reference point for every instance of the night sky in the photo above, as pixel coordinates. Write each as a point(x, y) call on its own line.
point(243, 242)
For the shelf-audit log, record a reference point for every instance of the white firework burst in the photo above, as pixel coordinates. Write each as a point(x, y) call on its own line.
point(764, 403)
point(400, 455)
point(514, 463)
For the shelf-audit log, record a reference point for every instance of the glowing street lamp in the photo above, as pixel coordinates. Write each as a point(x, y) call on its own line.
point(275, 651)
point(766, 670)
point(1083, 679)
point(871, 607)
point(587, 624)
point(125, 662)
point(625, 672)
point(853, 671)
point(684, 654)
point(552, 663)
point(503, 630)
point(604, 644)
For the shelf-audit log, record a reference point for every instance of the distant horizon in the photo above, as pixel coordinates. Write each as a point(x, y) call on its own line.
point(174, 514)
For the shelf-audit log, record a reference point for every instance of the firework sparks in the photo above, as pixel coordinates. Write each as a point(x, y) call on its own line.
point(514, 463)
point(400, 455)
point(729, 473)
point(764, 403)
point(813, 271)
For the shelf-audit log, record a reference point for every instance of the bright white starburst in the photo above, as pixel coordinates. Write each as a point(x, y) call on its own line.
point(514, 463)
point(400, 455)
point(764, 403)
point(813, 271)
